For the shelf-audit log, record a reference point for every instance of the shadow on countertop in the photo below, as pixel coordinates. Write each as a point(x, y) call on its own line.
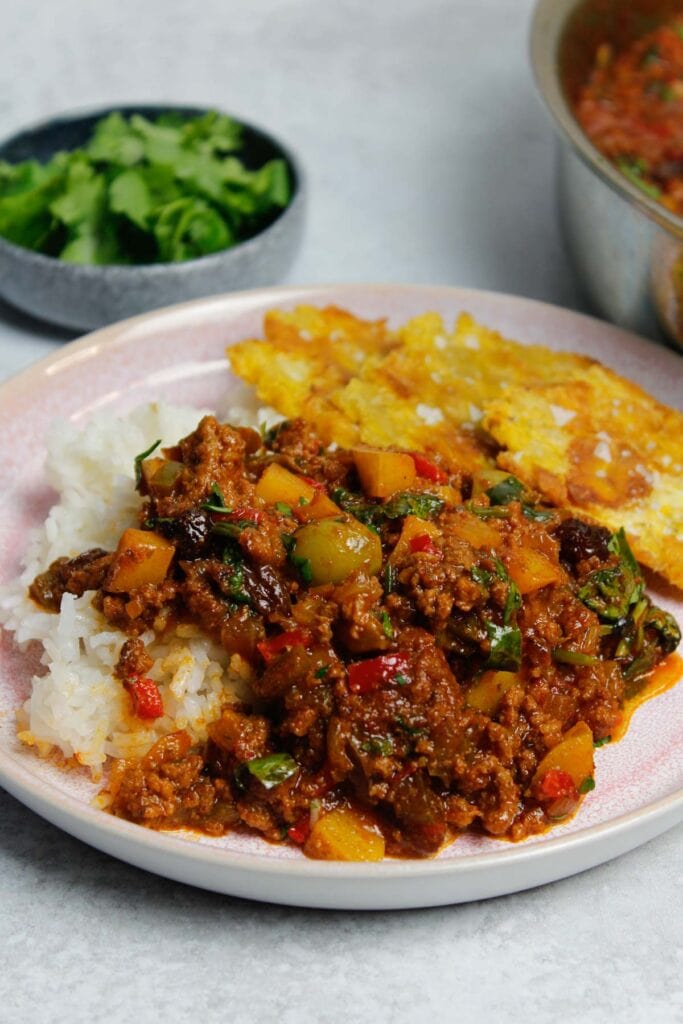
point(23, 323)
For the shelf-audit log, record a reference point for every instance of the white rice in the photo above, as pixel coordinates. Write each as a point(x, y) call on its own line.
point(77, 707)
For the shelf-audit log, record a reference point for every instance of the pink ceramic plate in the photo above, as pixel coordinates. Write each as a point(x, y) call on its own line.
point(177, 355)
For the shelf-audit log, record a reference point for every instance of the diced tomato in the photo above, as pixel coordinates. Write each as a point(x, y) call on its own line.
point(556, 783)
point(428, 469)
point(300, 830)
point(147, 702)
point(367, 676)
point(558, 793)
point(423, 542)
point(270, 648)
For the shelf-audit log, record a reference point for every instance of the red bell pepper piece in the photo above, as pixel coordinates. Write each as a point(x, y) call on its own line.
point(144, 692)
point(428, 469)
point(423, 542)
point(300, 830)
point(269, 649)
point(367, 676)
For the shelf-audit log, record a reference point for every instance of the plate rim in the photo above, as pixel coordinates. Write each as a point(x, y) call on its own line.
point(19, 780)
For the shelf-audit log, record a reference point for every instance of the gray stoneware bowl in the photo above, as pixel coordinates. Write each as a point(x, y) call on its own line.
point(627, 250)
point(86, 297)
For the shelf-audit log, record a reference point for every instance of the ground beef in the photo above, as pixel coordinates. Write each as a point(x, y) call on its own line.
point(70, 576)
point(367, 690)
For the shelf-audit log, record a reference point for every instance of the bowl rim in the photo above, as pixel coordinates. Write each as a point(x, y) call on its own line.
point(126, 271)
point(548, 23)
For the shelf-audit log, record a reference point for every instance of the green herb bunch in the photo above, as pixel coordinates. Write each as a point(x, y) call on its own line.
point(142, 191)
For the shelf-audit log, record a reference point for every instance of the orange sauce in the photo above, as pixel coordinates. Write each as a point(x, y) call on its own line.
point(667, 674)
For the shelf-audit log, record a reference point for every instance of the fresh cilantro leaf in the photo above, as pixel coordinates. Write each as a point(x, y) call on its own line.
point(387, 625)
point(142, 191)
point(129, 195)
point(409, 503)
point(505, 646)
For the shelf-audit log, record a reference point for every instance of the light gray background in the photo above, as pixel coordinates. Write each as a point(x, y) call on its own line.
point(430, 160)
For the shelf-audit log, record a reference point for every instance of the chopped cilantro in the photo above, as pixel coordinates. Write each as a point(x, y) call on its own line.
point(409, 503)
point(139, 459)
point(505, 646)
point(321, 672)
point(380, 746)
point(389, 578)
point(611, 592)
point(283, 508)
point(602, 741)
point(587, 785)
point(141, 191)
point(387, 625)
point(218, 504)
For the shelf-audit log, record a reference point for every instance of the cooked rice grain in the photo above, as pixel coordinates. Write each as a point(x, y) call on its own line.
point(77, 707)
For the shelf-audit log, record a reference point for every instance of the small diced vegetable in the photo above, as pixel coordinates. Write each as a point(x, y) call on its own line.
point(368, 676)
point(274, 645)
point(531, 569)
point(486, 693)
point(319, 507)
point(342, 834)
point(413, 527)
point(383, 473)
point(164, 477)
point(428, 469)
point(573, 755)
point(330, 550)
point(147, 702)
point(423, 543)
point(277, 484)
point(148, 468)
point(476, 532)
point(500, 487)
point(141, 557)
point(272, 769)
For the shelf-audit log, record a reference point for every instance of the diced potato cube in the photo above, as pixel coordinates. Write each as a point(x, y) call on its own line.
point(383, 473)
point(413, 527)
point(573, 754)
point(342, 834)
point(319, 507)
point(485, 694)
point(141, 557)
point(476, 532)
point(531, 569)
point(277, 484)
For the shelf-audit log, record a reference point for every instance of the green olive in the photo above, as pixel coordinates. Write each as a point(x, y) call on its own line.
point(334, 549)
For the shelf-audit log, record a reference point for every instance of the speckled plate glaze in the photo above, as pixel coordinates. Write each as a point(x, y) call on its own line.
point(177, 355)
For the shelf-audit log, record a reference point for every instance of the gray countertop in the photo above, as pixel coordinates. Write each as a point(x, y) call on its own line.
point(430, 160)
